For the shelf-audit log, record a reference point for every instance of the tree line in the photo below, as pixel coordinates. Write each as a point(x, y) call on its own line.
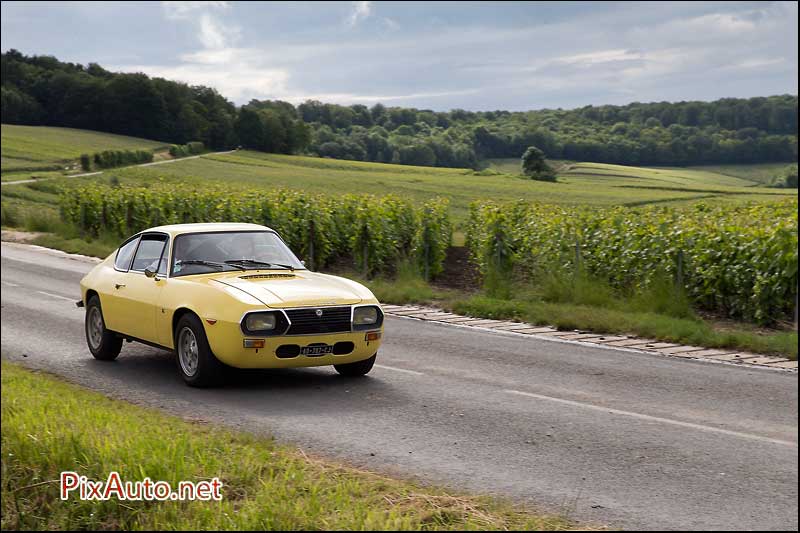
point(43, 90)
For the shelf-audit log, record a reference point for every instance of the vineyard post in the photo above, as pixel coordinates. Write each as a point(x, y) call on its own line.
point(426, 258)
point(366, 261)
point(796, 290)
point(578, 258)
point(365, 248)
point(679, 272)
point(311, 245)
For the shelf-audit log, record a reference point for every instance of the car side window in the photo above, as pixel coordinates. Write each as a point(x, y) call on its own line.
point(148, 254)
point(124, 254)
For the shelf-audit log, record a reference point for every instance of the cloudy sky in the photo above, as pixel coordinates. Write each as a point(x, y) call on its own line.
point(438, 55)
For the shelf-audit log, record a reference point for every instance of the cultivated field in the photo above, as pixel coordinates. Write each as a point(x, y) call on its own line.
point(762, 173)
point(582, 184)
point(743, 175)
point(578, 183)
point(30, 150)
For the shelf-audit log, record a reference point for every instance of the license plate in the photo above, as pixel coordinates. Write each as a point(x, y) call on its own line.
point(312, 351)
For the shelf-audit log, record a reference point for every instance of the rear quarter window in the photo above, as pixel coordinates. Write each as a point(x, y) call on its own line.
point(125, 254)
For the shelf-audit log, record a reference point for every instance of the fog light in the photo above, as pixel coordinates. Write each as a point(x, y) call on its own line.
point(254, 343)
point(372, 336)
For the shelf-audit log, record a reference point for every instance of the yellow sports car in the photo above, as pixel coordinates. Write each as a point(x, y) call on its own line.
point(227, 294)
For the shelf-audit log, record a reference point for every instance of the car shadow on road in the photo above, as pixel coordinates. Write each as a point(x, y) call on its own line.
point(282, 392)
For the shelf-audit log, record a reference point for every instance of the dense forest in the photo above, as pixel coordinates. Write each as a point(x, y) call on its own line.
point(43, 90)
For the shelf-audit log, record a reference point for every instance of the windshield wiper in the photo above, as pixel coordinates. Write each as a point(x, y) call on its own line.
point(254, 262)
point(207, 263)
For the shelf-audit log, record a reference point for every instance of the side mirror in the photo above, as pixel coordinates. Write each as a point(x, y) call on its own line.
point(149, 272)
point(303, 263)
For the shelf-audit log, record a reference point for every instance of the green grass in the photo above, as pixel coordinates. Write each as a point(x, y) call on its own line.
point(50, 426)
point(33, 150)
point(578, 183)
point(567, 316)
point(584, 184)
point(513, 165)
point(759, 174)
point(581, 303)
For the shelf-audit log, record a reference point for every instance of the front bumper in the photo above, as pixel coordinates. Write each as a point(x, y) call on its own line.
point(227, 342)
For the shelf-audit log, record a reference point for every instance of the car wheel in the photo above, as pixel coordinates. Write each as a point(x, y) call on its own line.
point(104, 344)
point(359, 368)
point(196, 363)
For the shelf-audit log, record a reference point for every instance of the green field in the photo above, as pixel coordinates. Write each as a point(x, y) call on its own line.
point(583, 183)
point(759, 174)
point(41, 150)
point(26, 147)
point(578, 183)
point(744, 175)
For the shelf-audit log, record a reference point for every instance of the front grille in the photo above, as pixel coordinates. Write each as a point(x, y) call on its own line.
point(306, 322)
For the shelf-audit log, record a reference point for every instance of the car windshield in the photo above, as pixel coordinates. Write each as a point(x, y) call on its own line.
point(198, 253)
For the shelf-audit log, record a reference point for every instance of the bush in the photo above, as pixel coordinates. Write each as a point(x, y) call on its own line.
point(788, 178)
point(194, 147)
point(9, 215)
point(86, 162)
point(118, 158)
point(535, 167)
point(183, 150)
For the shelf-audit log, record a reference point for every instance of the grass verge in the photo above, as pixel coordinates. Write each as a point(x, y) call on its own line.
point(566, 316)
point(589, 305)
point(50, 426)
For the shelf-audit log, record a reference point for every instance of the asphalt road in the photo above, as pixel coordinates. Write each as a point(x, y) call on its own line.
point(607, 436)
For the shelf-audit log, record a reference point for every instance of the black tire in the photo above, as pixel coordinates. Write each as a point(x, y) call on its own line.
point(104, 344)
point(359, 368)
point(208, 370)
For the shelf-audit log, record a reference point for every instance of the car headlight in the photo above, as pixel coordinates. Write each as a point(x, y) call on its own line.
point(260, 322)
point(366, 317)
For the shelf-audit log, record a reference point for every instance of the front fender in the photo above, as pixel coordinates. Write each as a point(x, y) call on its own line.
point(211, 301)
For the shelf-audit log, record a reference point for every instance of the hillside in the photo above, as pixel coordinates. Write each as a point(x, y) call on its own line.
point(578, 183)
point(38, 149)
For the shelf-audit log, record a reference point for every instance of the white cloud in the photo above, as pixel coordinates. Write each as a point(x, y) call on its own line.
point(727, 22)
point(359, 12)
point(603, 56)
point(238, 73)
point(645, 52)
point(211, 32)
point(352, 98)
point(182, 10)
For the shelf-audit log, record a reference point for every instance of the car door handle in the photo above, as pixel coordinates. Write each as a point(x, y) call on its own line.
point(119, 285)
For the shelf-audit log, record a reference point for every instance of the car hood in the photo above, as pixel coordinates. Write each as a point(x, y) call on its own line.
point(296, 289)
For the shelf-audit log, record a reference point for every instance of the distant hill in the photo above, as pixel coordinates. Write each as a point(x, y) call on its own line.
point(27, 149)
point(40, 90)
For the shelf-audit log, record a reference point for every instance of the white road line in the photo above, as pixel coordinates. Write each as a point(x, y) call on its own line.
point(4, 282)
point(414, 372)
point(653, 418)
point(58, 296)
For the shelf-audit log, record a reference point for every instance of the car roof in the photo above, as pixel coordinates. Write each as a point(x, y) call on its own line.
point(180, 229)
